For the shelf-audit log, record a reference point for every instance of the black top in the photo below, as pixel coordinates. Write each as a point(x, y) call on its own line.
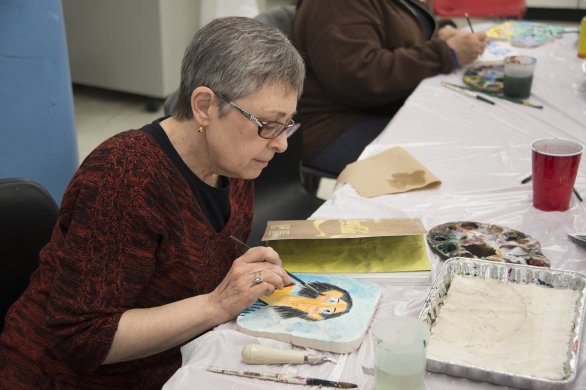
point(213, 201)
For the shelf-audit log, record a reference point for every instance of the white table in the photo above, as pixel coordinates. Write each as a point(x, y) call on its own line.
point(481, 153)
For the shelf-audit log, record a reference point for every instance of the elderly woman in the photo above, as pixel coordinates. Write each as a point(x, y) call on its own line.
point(141, 259)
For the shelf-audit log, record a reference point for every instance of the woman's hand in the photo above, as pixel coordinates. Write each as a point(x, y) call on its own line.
point(144, 332)
point(468, 46)
point(239, 290)
point(447, 32)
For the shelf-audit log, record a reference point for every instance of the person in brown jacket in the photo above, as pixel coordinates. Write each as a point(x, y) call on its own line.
point(363, 59)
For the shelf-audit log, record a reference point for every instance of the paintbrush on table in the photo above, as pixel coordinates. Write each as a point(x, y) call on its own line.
point(528, 179)
point(283, 378)
point(499, 96)
point(471, 94)
point(288, 273)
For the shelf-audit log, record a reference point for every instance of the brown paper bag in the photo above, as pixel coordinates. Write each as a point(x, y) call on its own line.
point(389, 172)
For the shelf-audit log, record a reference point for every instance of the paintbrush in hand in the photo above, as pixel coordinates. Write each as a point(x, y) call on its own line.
point(468, 20)
point(288, 273)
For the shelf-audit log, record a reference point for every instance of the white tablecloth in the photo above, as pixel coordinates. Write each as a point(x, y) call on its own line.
point(481, 153)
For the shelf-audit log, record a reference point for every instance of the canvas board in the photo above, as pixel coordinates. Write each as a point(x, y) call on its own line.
point(335, 321)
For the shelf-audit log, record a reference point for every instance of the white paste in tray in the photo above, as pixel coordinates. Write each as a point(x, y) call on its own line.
point(521, 329)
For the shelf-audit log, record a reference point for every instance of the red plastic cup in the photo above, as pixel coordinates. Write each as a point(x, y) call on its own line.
point(555, 164)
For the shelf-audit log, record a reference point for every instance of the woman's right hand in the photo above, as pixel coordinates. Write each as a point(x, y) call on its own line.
point(468, 46)
point(146, 331)
point(238, 290)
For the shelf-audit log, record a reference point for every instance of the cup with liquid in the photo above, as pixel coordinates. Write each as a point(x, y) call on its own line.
point(518, 76)
point(399, 345)
point(555, 164)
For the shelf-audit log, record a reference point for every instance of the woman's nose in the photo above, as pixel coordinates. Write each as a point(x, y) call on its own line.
point(279, 144)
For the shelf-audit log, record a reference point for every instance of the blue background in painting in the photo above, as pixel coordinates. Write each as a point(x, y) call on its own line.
point(343, 329)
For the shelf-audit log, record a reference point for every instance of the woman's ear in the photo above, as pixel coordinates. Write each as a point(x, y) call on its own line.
point(201, 103)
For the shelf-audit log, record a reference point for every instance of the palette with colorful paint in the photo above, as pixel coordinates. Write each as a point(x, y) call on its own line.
point(524, 33)
point(485, 241)
point(486, 78)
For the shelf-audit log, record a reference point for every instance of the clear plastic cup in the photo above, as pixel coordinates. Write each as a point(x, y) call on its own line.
point(399, 345)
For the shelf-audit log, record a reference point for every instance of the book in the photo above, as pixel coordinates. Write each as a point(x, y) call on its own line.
point(335, 321)
point(385, 251)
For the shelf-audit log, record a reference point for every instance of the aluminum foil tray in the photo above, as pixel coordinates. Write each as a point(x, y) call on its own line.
point(512, 273)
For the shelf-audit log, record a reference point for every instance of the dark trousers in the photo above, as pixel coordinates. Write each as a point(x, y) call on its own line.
point(346, 148)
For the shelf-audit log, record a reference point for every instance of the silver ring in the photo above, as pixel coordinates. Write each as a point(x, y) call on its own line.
point(257, 277)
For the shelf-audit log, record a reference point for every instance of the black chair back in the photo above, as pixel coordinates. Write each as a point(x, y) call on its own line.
point(27, 216)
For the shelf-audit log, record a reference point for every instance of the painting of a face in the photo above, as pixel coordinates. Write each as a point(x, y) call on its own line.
point(335, 317)
point(330, 303)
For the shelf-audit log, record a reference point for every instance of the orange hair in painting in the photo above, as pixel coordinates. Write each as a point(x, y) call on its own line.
point(332, 302)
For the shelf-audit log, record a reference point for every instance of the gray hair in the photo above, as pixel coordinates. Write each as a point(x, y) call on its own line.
point(235, 57)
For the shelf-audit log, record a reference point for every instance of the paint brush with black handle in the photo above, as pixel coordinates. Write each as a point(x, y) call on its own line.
point(288, 273)
point(528, 179)
point(468, 20)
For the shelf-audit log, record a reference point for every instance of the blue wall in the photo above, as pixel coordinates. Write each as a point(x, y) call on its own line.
point(37, 127)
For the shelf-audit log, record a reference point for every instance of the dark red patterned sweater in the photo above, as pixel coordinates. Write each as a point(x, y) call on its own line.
point(130, 234)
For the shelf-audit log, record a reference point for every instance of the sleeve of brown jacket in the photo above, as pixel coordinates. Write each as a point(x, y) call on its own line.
point(366, 52)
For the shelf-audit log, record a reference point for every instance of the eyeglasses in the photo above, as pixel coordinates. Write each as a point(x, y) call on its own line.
point(266, 130)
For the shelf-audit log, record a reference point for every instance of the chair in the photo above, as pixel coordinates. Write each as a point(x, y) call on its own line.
point(310, 177)
point(27, 216)
point(479, 8)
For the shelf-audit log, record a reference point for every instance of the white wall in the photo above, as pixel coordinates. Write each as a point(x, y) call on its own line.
point(571, 4)
point(133, 46)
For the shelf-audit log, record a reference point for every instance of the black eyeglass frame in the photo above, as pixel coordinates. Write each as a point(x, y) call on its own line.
point(290, 128)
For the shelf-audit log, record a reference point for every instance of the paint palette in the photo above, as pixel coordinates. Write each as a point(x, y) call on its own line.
point(485, 241)
point(486, 78)
point(524, 33)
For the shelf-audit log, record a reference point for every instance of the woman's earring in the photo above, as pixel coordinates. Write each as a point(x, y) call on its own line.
point(201, 129)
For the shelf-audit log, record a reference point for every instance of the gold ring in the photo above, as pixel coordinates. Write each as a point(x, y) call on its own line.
point(257, 277)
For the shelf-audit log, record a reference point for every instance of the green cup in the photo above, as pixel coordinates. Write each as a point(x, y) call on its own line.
point(518, 76)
